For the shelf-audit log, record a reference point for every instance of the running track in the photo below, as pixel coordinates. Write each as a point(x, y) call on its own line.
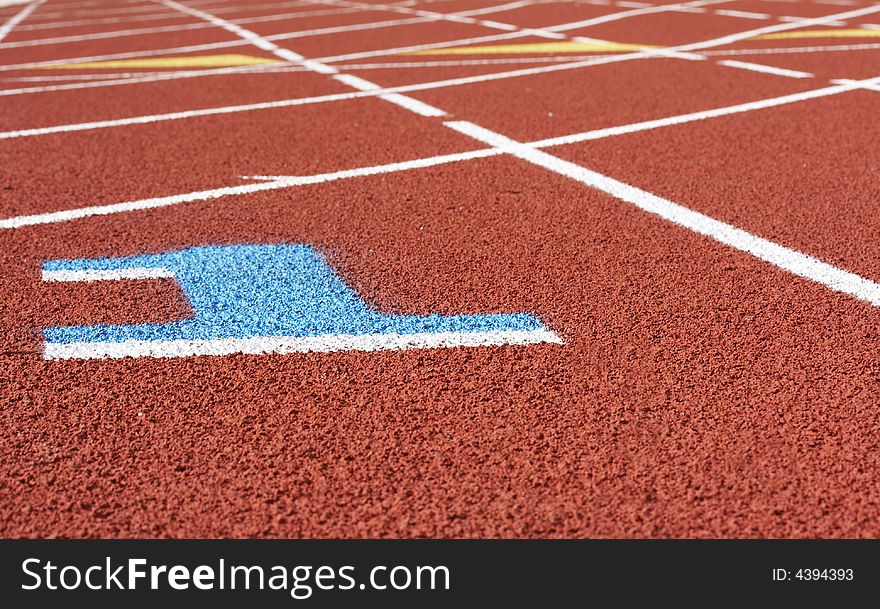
point(447, 268)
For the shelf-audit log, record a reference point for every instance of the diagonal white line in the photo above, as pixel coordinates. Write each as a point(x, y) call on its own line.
point(18, 18)
point(780, 256)
point(322, 67)
point(279, 182)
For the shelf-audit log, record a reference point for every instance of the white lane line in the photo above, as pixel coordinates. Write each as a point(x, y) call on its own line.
point(680, 119)
point(305, 33)
point(278, 182)
point(40, 131)
point(742, 14)
point(420, 47)
point(17, 18)
point(780, 27)
point(174, 15)
point(780, 256)
point(115, 208)
point(285, 344)
point(251, 37)
point(870, 86)
point(757, 67)
point(795, 50)
point(134, 78)
point(114, 275)
point(114, 79)
point(319, 65)
point(413, 105)
point(153, 13)
point(103, 35)
point(101, 80)
point(246, 20)
point(127, 55)
point(217, 193)
point(105, 21)
point(662, 8)
point(235, 43)
point(355, 82)
point(789, 19)
point(197, 26)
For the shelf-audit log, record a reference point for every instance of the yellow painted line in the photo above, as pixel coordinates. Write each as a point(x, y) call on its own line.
point(193, 61)
point(537, 47)
point(859, 33)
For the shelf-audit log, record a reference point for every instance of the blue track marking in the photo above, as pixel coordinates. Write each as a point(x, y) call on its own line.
point(252, 291)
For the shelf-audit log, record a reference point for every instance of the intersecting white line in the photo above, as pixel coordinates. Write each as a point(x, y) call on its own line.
point(111, 79)
point(757, 67)
point(324, 68)
point(787, 259)
point(780, 256)
point(355, 82)
point(268, 183)
point(428, 17)
point(17, 18)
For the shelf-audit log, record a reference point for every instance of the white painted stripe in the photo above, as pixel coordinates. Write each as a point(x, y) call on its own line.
point(217, 193)
point(158, 13)
point(633, 13)
point(420, 47)
point(235, 43)
point(127, 55)
point(107, 80)
point(197, 26)
point(688, 9)
point(870, 86)
point(779, 27)
point(325, 69)
point(251, 37)
point(833, 23)
point(780, 256)
point(355, 82)
point(278, 182)
point(403, 89)
point(115, 79)
point(103, 35)
point(757, 67)
point(413, 105)
point(17, 18)
point(702, 115)
point(795, 50)
point(452, 82)
point(54, 25)
point(114, 275)
point(498, 25)
point(361, 84)
point(409, 103)
point(285, 345)
point(431, 161)
point(103, 210)
point(741, 14)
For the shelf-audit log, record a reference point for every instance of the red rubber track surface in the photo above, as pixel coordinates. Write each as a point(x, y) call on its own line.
point(700, 391)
